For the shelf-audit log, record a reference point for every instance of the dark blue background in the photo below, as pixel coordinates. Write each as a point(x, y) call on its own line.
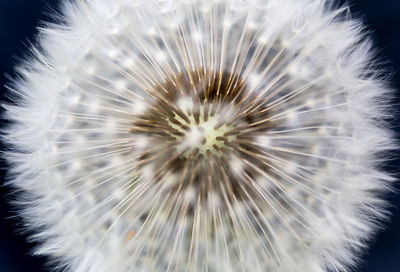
point(18, 20)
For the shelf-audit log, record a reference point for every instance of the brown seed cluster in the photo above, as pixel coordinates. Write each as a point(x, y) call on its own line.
point(201, 127)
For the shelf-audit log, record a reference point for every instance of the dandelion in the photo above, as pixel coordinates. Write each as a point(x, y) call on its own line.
point(212, 135)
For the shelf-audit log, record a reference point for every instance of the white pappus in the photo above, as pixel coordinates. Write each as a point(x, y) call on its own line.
point(200, 135)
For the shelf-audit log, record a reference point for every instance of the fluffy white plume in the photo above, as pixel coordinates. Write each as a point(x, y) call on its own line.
point(200, 135)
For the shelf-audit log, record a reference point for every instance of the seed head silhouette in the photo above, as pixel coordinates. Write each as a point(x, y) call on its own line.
point(212, 135)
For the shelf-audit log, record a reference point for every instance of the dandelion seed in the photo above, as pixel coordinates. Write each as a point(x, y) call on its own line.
point(208, 135)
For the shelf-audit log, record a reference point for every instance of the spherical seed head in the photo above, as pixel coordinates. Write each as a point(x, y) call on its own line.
point(201, 136)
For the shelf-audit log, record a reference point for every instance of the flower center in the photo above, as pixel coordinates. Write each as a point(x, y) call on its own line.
point(200, 130)
point(204, 132)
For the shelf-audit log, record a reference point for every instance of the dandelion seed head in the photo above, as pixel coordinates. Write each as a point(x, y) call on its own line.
point(213, 135)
